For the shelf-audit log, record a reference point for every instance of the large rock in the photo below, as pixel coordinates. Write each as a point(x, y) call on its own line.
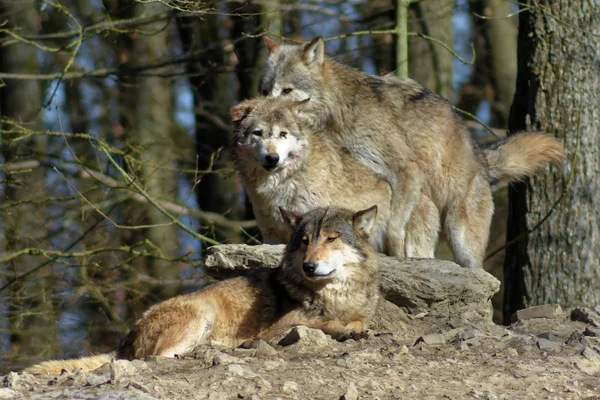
point(431, 289)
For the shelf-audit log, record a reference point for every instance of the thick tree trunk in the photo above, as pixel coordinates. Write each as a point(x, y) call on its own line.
point(558, 91)
point(31, 317)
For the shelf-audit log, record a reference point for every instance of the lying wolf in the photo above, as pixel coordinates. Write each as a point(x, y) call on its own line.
point(411, 138)
point(328, 279)
point(284, 163)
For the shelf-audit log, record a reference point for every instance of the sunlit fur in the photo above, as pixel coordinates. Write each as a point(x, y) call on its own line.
point(411, 138)
point(264, 303)
point(319, 174)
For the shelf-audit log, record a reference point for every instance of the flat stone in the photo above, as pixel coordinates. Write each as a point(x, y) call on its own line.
point(120, 369)
point(434, 339)
point(96, 380)
point(351, 392)
point(543, 311)
point(304, 335)
point(225, 359)
point(549, 345)
point(289, 387)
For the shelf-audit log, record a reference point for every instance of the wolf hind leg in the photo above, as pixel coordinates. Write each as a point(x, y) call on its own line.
point(423, 230)
point(467, 224)
point(406, 192)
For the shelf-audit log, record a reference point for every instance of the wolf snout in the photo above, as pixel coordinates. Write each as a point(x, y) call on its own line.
point(309, 268)
point(272, 159)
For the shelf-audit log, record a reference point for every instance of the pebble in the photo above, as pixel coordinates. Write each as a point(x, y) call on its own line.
point(351, 392)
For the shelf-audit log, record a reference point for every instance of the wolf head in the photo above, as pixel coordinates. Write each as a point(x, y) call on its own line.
point(328, 244)
point(269, 131)
point(294, 71)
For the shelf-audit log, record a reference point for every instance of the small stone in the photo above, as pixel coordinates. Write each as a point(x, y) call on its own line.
point(141, 365)
point(431, 339)
point(548, 345)
point(97, 380)
point(7, 393)
point(263, 349)
point(463, 346)
point(512, 352)
point(225, 359)
point(120, 369)
point(592, 332)
point(240, 370)
point(586, 315)
point(305, 335)
point(576, 339)
point(272, 365)
point(351, 392)
point(543, 311)
point(289, 387)
point(547, 335)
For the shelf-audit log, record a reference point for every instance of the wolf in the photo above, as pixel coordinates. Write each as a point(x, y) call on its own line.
point(328, 279)
point(284, 163)
point(411, 138)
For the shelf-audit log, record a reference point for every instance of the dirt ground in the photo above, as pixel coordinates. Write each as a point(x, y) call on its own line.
point(536, 358)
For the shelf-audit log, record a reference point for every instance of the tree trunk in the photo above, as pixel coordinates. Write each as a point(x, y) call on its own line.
point(31, 317)
point(558, 91)
point(213, 96)
point(428, 62)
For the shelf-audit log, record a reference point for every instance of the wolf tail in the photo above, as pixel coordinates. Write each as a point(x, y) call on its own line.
point(521, 155)
point(55, 367)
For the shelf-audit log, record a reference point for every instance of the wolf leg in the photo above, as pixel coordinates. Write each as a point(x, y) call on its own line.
point(423, 230)
point(340, 332)
point(406, 191)
point(467, 224)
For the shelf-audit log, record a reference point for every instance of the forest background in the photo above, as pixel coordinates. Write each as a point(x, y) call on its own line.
point(115, 173)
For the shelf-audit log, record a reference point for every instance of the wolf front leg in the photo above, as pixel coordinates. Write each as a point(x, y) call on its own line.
point(340, 332)
point(406, 192)
point(423, 230)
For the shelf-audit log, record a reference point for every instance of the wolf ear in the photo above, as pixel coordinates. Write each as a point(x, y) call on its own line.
point(291, 219)
point(271, 44)
point(237, 113)
point(364, 220)
point(314, 51)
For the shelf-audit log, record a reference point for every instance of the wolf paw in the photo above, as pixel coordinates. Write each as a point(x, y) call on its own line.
point(354, 334)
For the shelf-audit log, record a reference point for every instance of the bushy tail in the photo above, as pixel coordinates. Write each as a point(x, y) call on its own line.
point(55, 367)
point(521, 155)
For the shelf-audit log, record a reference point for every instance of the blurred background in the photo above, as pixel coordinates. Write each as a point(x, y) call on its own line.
point(115, 172)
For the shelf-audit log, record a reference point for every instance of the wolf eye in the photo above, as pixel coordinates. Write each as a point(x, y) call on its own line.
point(287, 90)
point(305, 240)
point(283, 134)
point(331, 239)
point(257, 132)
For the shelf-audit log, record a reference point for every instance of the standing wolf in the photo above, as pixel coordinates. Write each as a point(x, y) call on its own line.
point(328, 279)
point(284, 163)
point(409, 137)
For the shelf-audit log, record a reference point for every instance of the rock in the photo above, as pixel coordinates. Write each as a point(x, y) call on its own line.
point(577, 339)
point(587, 315)
point(225, 359)
point(305, 335)
point(442, 289)
point(289, 387)
point(592, 332)
point(435, 339)
point(241, 370)
point(548, 345)
point(543, 311)
point(263, 349)
point(96, 380)
point(590, 364)
point(120, 369)
point(7, 393)
point(351, 393)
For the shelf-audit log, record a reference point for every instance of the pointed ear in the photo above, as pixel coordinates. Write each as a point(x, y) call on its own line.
point(291, 219)
point(314, 51)
point(271, 44)
point(364, 220)
point(299, 105)
point(237, 113)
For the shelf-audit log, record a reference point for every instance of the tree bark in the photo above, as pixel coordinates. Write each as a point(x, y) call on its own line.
point(558, 91)
point(428, 62)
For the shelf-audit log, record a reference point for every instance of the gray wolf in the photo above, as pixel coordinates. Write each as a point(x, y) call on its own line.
point(328, 279)
point(411, 138)
point(284, 163)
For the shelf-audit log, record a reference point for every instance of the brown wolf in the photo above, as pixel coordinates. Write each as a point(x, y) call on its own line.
point(410, 137)
point(284, 163)
point(328, 279)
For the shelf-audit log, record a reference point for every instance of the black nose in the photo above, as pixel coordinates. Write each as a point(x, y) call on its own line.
point(272, 158)
point(309, 268)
